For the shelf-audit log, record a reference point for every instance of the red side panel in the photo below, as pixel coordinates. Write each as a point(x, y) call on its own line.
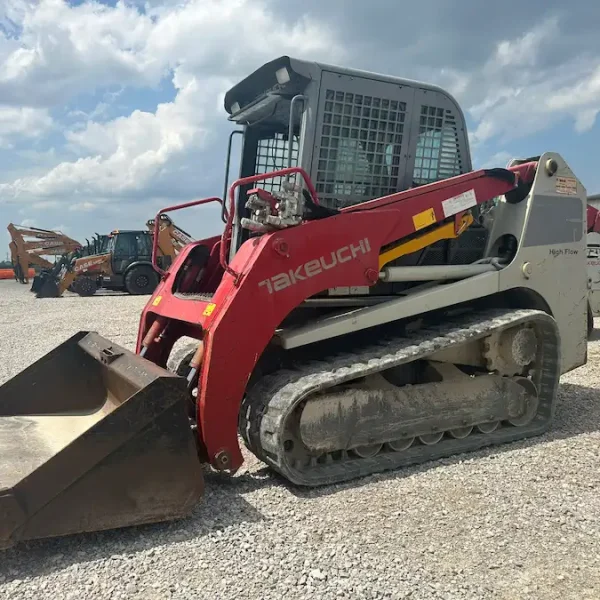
point(328, 253)
point(593, 219)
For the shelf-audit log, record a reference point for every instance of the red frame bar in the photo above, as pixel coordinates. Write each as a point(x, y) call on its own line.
point(593, 219)
point(525, 173)
point(169, 209)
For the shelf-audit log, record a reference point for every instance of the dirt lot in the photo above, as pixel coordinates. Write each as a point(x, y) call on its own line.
point(520, 521)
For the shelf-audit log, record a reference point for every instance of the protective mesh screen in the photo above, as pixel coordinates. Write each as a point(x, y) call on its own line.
point(272, 155)
point(360, 152)
point(437, 153)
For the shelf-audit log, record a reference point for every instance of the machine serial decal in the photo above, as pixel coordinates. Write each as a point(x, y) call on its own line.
point(314, 267)
point(566, 185)
point(456, 204)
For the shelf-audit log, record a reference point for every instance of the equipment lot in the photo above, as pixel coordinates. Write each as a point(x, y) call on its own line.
point(512, 522)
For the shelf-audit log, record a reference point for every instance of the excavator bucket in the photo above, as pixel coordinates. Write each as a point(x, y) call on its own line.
point(94, 437)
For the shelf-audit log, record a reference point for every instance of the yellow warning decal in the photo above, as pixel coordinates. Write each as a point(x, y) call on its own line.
point(424, 219)
point(156, 301)
point(209, 310)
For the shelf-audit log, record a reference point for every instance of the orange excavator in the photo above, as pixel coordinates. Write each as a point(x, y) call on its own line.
point(29, 245)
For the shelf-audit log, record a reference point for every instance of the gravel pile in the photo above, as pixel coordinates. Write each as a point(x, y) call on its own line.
point(522, 521)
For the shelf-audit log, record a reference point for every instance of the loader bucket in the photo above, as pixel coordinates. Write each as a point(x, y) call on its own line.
point(39, 281)
point(36, 283)
point(46, 285)
point(94, 437)
point(47, 288)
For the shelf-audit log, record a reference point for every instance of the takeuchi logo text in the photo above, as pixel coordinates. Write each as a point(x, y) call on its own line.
point(314, 267)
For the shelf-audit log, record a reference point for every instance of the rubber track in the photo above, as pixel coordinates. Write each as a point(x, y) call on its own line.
point(272, 400)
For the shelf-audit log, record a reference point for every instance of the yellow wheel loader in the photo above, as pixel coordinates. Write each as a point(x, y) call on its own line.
point(123, 263)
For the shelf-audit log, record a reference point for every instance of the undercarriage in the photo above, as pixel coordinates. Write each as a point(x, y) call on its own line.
point(484, 379)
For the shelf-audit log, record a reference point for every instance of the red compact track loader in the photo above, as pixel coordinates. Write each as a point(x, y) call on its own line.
point(358, 314)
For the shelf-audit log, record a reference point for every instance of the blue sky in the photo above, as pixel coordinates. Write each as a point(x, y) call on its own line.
point(111, 110)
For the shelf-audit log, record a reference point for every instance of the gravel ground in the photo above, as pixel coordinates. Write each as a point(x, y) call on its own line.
point(522, 521)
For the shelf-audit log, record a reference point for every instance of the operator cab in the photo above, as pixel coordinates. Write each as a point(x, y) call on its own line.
point(103, 244)
point(128, 247)
point(358, 135)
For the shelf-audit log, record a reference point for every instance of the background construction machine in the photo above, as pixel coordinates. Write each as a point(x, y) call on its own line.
point(98, 245)
point(123, 262)
point(342, 331)
point(45, 282)
point(593, 263)
point(29, 245)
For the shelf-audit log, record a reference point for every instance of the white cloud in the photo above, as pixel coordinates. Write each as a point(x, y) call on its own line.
point(515, 94)
point(525, 49)
point(55, 51)
point(64, 50)
point(456, 82)
point(498, 159)
point(18, 122)
point(586, 119)
point(207, 45)
point(126, 154)
point(83, 207)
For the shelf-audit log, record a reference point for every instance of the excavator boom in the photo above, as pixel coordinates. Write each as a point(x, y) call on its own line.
point(29, 245)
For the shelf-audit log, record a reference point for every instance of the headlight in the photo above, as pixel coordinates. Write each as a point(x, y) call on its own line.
point(282, 75)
